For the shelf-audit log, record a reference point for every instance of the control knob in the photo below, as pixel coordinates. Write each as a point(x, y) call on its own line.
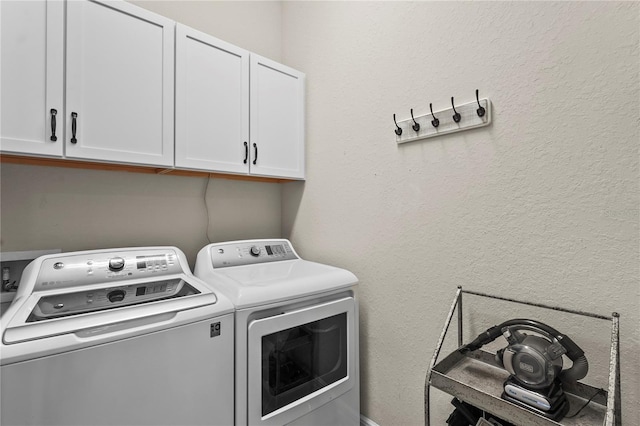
point(116, 296)
point(254, 251)
point(116, 264)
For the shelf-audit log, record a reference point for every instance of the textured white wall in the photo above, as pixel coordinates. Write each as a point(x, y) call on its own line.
point(252, 25)
point(542, 205)
point(44, 207)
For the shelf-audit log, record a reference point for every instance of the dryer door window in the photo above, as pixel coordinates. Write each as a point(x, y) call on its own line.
point(300, 360)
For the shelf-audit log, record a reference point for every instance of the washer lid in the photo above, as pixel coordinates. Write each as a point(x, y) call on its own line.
point(46, 314)
point(69, 293)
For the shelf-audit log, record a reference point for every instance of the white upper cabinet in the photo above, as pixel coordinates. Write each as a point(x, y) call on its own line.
point(236, 112)
point(277, 119)
point(119, 81)
point(96, 80)
point(212, 103)
point(31, 108)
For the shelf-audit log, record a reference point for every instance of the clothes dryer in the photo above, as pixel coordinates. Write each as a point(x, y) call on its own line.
point(296, 333)
point(116, 337)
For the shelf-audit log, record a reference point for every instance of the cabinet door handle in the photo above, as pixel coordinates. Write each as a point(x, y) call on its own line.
point(53, 137)
point(255, 156)
point(74, 117)
point(246, 152)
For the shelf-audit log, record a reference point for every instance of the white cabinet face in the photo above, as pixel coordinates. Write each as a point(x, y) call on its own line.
point(277, 119)
point(212, 103)
point(119, 83)
point(31, 77)
point(94, 80)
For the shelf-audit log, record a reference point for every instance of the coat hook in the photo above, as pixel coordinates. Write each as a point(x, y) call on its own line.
point(456, 116)
point(398, 129)
point(435, 122)
point(481, 111)
point(416, 126)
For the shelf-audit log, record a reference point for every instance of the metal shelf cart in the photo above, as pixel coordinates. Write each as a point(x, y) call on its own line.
point(477, 379)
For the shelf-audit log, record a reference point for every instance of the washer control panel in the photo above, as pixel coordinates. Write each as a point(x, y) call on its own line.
point(240, 253)
point(58, 305)
point(75, 270)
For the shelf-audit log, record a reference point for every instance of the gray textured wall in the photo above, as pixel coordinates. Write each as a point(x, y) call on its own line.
point(541, 205)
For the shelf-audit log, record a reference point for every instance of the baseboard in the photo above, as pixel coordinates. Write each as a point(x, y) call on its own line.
point(365, 421)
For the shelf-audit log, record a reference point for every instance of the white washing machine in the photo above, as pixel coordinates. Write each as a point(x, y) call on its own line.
point(296, 333)
point(116, 337)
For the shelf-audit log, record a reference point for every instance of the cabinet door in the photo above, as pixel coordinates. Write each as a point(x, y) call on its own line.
point(119, 72)
point(31, 72)
point(277, 119)
point(212, 103)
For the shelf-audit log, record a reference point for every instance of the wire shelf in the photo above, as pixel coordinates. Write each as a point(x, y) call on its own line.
point(477, 379)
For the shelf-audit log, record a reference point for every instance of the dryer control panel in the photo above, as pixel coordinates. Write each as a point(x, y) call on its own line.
point(101, 267)
point(240, 253)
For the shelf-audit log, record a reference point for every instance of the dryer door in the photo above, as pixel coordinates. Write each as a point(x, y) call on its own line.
point(300, 360)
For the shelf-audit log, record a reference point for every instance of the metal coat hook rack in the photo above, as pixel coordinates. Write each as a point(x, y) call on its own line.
point(457, 118)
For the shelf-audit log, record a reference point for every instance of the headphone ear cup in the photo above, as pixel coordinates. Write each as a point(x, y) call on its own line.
point(499, 356)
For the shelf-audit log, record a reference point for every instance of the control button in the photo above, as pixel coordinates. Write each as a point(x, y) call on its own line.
point(116, 264)
point(58, 305)
point(116, 296)
point(58, 265)
point(255, 251)
point(221, 251)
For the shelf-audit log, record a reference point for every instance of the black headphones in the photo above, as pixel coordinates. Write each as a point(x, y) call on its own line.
point(532, 360)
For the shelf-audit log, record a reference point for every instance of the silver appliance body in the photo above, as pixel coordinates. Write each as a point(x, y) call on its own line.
point(297, 345)
point(116, 337)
